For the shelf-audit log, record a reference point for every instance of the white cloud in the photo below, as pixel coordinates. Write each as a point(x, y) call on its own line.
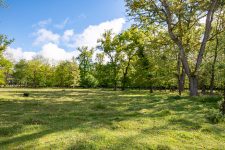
point(43, 23)
point(51, 43)
point(44, 36)
point(92, 33)
point(63, 24)
point(67, 35)
point(54, 53)
point(49, 51)
point(88, 37)
point(16, 54)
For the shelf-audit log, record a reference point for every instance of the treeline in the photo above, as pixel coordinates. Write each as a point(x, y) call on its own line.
point(135, 58)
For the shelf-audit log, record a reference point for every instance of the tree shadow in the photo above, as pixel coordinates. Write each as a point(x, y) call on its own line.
point(65, 110)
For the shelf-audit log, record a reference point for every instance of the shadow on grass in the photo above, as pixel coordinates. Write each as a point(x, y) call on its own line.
point(61, 110)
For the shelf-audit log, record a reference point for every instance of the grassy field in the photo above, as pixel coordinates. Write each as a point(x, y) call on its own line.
point(103, 119)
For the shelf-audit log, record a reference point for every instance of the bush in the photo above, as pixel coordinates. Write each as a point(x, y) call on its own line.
point(211, 99)
point(89, 81)
point(214, 116)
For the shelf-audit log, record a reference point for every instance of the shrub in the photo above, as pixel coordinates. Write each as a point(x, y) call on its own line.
point(214, 116)
point(211, 99)
point(89, 81)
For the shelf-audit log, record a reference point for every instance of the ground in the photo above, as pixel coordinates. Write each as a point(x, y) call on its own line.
point(103, 119)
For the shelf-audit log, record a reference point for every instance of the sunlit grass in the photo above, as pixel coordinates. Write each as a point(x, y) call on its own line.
point(104, 119)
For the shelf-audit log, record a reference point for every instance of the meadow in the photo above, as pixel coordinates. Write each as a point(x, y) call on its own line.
point(86, 119)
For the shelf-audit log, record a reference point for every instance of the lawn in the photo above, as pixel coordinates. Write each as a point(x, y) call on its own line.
point(103, 119)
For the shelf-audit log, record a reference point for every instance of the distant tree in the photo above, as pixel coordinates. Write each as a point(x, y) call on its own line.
point(67, 74)
point(87, 78)
point(102, 70)
point(20, 73)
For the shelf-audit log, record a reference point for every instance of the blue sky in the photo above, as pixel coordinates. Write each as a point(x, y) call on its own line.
point(35, 24)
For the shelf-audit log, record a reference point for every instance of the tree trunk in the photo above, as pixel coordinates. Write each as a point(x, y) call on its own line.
point(115, 85)
point(125, 75)
point(181, 81)
point(213, 67)
point(203, 89)
point(151, 89)
point(115, 78)
point(193, 85)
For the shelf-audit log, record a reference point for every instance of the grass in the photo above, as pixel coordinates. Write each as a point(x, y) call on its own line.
point(79, 119)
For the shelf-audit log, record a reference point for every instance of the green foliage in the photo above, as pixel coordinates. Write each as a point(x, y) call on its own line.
point(85, 66)
point(38, 73)
point(89, 81)
point(214, 116)
point(5, 65)
point(4, 42)
point(20, 73)
point(67, 74)
point(211, 99)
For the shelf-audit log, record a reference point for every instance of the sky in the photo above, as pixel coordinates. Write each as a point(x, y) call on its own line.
point(55, 28)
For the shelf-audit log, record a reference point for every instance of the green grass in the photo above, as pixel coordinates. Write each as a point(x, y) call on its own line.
point(77, 119)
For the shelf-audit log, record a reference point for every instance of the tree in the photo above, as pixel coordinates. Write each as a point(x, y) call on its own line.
point(182, 19)
point(102, 71)
point(218, 28)
point(34, 73)
point(131, 41)
point(2, 3)
point(5, 65)
point(67, 74)
point(85, 65)
point(110, 45)
point(20, 74)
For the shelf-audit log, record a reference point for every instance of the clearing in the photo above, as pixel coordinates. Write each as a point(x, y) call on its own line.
point(103, 119)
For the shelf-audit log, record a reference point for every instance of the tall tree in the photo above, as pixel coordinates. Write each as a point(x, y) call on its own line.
point(110, 45)
point(181, 18)
point(131, 41)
